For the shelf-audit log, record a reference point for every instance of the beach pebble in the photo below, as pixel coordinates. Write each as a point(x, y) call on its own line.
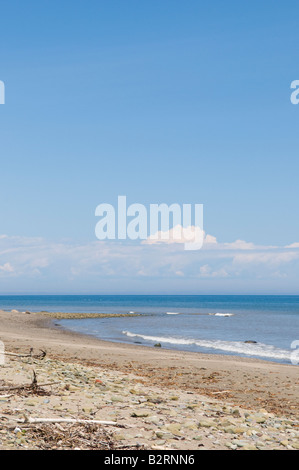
point(284, 443)
point(139, 414)
point(206, 423)
point(162, 418)
point(163, 435)
point(175, 429)
point(239, 443)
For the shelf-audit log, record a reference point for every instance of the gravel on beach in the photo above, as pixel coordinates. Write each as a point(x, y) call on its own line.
point(147, 416)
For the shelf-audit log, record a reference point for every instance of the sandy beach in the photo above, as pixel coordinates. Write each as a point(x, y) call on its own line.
point(165, 399)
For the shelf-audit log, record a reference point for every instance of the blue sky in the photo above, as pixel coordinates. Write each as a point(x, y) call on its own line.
point(167, 101)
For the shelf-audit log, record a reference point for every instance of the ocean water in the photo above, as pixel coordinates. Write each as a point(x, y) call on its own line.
point(265, 327)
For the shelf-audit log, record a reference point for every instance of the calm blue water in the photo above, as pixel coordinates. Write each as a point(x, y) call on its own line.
point(211, 324)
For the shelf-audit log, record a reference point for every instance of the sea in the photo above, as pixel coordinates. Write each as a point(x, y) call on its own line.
point(256, 326)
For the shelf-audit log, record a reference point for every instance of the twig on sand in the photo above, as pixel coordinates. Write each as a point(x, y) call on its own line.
point(34, 356)
point(34, 386)
point(26, 387)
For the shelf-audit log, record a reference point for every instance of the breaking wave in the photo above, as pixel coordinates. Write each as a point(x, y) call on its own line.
point(205, 314)
point(237, 347)
point(222, 314)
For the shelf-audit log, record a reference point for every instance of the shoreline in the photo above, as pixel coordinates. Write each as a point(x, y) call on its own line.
point(111, 396)
point(168, 348)
point(74, 315)
point(250, 381)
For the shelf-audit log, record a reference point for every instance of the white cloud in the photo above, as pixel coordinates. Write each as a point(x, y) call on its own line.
point(66, 263)
point(210, 240)
point(239, 245)
point(293, 245)
point(177, 234)
point(7, 268)
point(273, 258)
point(179, 273)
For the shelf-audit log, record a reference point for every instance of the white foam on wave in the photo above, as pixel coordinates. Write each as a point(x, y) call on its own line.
point(222, 314)
point(238, 347)
point(212, 314)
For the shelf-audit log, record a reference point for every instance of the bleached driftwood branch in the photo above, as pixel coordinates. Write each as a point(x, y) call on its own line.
point(30, 420)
